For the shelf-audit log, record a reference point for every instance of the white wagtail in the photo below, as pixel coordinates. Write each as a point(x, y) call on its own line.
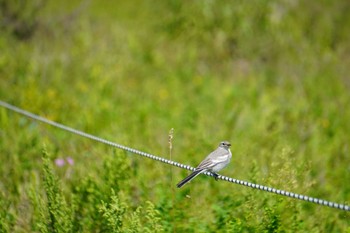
point(214, 162)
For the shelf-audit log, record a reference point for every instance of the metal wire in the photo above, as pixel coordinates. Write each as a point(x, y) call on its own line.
point(173, 163)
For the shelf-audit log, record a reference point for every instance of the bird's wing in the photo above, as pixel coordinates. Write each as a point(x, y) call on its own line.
point(218, 156)
point(207, 163)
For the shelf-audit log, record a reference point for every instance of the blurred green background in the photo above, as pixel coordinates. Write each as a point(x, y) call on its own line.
point(271, 77)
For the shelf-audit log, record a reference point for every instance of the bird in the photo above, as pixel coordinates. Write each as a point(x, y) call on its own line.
point(214, 162)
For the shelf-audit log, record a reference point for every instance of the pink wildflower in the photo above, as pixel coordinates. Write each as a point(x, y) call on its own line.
point(70, 160)
point(59, 162)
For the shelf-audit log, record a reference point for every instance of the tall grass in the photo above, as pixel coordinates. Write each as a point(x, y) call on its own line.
point(269, 76)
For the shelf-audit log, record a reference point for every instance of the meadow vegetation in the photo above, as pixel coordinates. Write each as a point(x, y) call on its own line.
point(271, 77)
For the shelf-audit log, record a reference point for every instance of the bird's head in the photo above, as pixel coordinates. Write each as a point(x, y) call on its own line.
point(225, 144)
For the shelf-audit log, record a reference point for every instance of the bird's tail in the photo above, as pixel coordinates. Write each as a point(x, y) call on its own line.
point(189, 177)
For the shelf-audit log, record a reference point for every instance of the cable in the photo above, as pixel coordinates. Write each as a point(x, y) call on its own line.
point(173, 163)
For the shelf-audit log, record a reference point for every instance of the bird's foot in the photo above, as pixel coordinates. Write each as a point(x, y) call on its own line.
point(216, 176)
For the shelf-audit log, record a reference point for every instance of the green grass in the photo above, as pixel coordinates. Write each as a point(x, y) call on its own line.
point(269, 76)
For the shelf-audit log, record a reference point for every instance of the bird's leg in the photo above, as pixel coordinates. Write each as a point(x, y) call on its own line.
point(216, 175)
